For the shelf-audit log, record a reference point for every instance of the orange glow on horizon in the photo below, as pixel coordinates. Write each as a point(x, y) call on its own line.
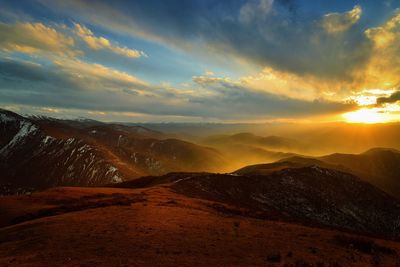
point(373, 115)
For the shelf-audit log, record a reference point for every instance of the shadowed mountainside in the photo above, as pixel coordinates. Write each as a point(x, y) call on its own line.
point(378, 166)
point(304, 194)
point(43, 152)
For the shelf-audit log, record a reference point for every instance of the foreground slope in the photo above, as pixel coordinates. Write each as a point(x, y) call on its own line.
point(157, 226)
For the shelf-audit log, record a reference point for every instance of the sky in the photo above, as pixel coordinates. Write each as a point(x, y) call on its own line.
point(202, 60)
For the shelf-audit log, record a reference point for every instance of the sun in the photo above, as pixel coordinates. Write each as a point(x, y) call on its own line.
point(365, 115)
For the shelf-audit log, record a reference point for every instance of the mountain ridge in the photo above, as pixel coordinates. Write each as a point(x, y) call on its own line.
point(378, 166)
point(58, 152)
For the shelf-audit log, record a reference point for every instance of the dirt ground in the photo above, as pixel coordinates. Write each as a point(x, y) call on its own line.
point(157, 227)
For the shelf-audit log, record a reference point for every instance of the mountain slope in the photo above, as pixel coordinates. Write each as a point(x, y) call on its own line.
point(268, 142)
point(32, 159)
point(149, 151)
point(43, 152)
point(122, 227)
point(245, 148)
point(310, 195)
point(290, 162)
point(378, 166)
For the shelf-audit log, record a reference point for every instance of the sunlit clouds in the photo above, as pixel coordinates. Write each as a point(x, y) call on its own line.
point(338, 22)
point(97, 43)
point(247, 60)
point(374, 115)
point(34, 38)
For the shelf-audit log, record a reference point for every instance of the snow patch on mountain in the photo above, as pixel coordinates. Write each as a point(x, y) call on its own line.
point(114, 172)
point(48, 140)
point(5, 118)
point(26, 129)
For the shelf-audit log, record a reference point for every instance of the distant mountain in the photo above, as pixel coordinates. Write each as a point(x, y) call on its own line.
point(378, 166)
point(269, 142)
point(291, 162)
point(346, 137)
point(315, 138)
point(44, 152)
point(309, 195)
point(246, 148)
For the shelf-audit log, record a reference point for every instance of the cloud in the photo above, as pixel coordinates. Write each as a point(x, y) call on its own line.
point(383, 66)
point(286, 84)
point(92, 75)
point(98, 43)
point(339, 22)
point(255, 9)
point(24, 70)
point(209, 80)
point(34, 38)
point(300, 64)
point(239, 100)
point(256, 33)
point(379, 70)
point(93, 87)
point(391, 99)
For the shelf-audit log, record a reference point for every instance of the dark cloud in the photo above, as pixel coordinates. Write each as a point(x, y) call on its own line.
point(391, 99)
point(21, 70)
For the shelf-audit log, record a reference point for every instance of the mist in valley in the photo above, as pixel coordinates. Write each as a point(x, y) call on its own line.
point(246, 144)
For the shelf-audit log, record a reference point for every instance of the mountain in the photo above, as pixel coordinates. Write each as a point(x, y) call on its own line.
point(378, 166)
point(298, 191)
point(310, 195)
point(286, 163)
point(245, 148)
point(294, 217)
point(43, 152)
point(269, 142)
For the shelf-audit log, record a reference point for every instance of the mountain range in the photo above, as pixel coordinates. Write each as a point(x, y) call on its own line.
point(378, 166)
point(39, 152)
point(126, 177)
